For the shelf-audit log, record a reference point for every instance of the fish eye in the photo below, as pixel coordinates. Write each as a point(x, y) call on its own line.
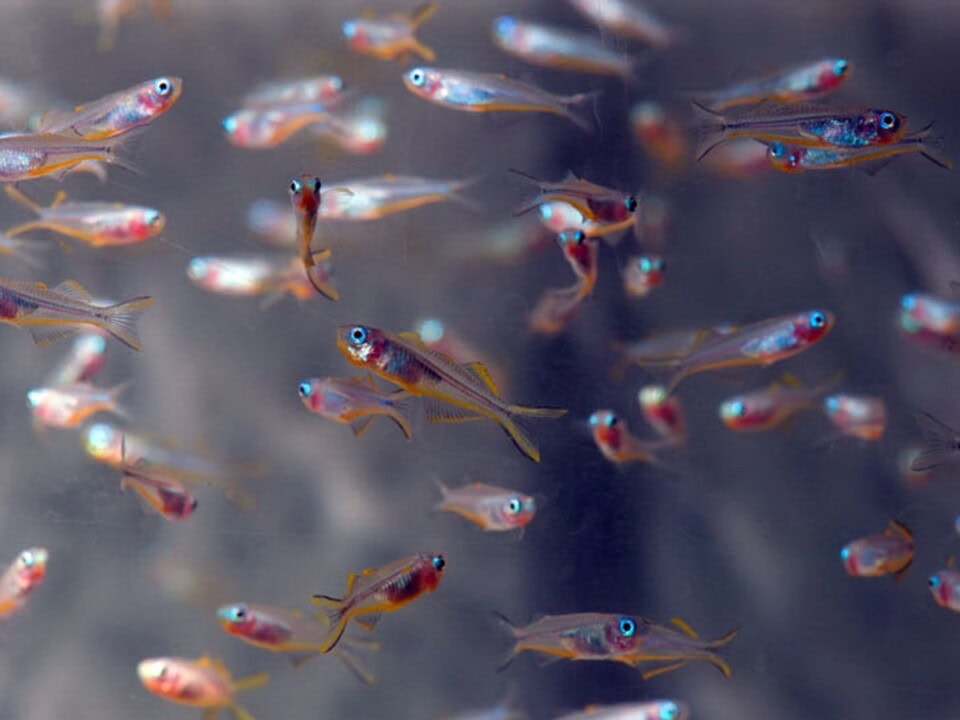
point(316, 185)
point(305, 389)
point(358, 335)
point(832, 404)
point(738, 408)
point(840, 67)
point(579, 237)
point(162, 86)
point(933, 581)
point(193, 505)
point(776, 150)
point(630, 203)
point(438, 562)
point(504, 25)
point(817, 319)
point(514, 506)
point(153, 217)
point(669, 711)
point(295, 186)
point(26, 559)
point(239, 612)
point(888, 121)
point(417, 76)
point(844, 553)
point(349, 28)
point(611, 420)
point(627, 626)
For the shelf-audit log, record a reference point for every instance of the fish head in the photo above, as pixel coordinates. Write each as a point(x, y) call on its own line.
point(887, 125)
point(578, 249)
point(607, 429)
point(507, 31)
point(941, 587)
point(748, 412)
point(31, 567)
point(650, 269)
point(422, 81)
point(624, 633)
point(517, 510)
point(236, 619)
point(361, 344)
point(160, 676)
point(104, 443)
point(160, 94)
point(832, 73)
point(305, 194)
point(813, 325)
point(354, 32)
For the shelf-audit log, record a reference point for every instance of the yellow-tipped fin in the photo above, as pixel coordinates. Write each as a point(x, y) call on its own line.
point(251, 681)
point(685, 627)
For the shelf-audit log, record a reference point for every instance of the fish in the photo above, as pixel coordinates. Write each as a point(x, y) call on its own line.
point(738, 159)
point(642, 274)
point(390, 37)
point(488, 92)
point(26, 251)
point(494, 509)
point(559, 216)
point(355, 402)
point(295, 634)
point(165, 494)
point(67, 406)
point(273, 222)
point(796, 84)
point(939, 315)
point(555, 309)
point(798, 158)
point(617, 638)
point(664, 413)
point(647, 710)
point(359, 128)
point(810, 125)
point(945, 588)
point(326, 89)
point(98, 224)
point(117, 112)
point(82, 363)
point(378, 590)
point(580, 252)
point(769, 407)
point(661, 137)
point(305, 198)
point(245, 275)
point(54, 313)
point(453, 391)
point(860, 416)
point(377, 197)
point(942, 444)
point(615, 441)
point(25, 156)
point(555, 47)
point(886, 553)
point(204, 682)
point(21, 578)
point(630, 20)
point(593, 202)
point(262, 129)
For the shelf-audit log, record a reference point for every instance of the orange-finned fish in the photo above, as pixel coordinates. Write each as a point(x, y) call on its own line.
point(83, 361)
point(555, 309)
point(377, 197)
point(390, 37)
point(580, 252)
point(53, 313)
point(245, 275)
point(618, 638)
point(359, 128)
point(355, 402)
point(886, 553)
point(21, 578)
point(642, 274)
point(945, 588)
point(629, 19)
point(25, 156)
point(259, 129)
point(295, 91)
point(162, 492)
point(453, 392)
point(305, 197)
point(489, 92)
point(378, 590)
point(559, 216)
point(204, 683)
point(662, 137)
point(617, 443)
point(98, 224)
point(664, 413)
point(860, 416)
point(794, 158)
point(68, 406)
point(117, 112)
point(942, 446)
point(593, 202)
point(495, 509)
point(768, 407)
point(800, 83)
point(648, 710)
point(295, 634)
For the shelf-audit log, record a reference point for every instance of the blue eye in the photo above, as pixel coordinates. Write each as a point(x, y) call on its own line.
point(358, 335)
point(305, 389)
point(832, 404)
point(933, 581)
point(417, 77)
point(230, 124)
point(162, 86)
point(737, 408)
point(908, 302)
point(777, 150)
point(630, 203)
point(504, 25)
point(840, 67)
point(817, 319)
point(349, 28)
point(611, 420)
point(514, 506)
point(845, 553)
point(296, 186)
point(669, 711)
point(888, 120)
point(438, 562)
point(627, 626)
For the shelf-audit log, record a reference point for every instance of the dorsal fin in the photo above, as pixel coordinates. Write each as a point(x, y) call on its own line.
point(423, 12)
point(73, 290)
point(479, 370)
point(684, 627)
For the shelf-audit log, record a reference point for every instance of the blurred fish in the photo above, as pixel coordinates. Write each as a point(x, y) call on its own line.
point(886, 553)
point(204, 683)
point(391, 37)
point(939, 315)
point(377, 197)
point(614, 440)
point(664, 413)
point(305, 199)
point(359, 128)
point(560, 48)
point(261, 129)
point(453, 391)
point(593, 202)
point(799, 158)
point(54, 313)
point(67, 406)
point(25, 156)
point(378, 590)
point(773, 405)
point(649, 710)
point(642, 274)
point(738, 159)
point(860, 416)
point(244, 275)
point(355, 402)
point(295, 634)
point(560, 216)
point(629, 19)
point(580, 253)
point(165, 494)
point(945, 588)
point(555, 309)
point(942, 443)
point(619, 638)
point(661, 137)
point(82, 363)
point(495, 509)
point(505, 710)
point(21, 578)
point(326, 89)
point(488, 92)
point(800, 83)
point(109, 15)
point(273, 222)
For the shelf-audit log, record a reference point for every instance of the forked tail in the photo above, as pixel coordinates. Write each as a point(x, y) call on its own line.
point(511, 423)
point(120, 320)
point(943, 443)
point(334, 615)
point(509, 633)
point(357, 655)
point(713, 128)
point(576, 107)
point(318, 272)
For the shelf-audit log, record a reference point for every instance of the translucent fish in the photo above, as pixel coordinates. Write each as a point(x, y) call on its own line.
point(664, 413)
point(771, 406)
point(326, 89)
point(945, 588)
point(359, 128)
point(580, 252)
point(25, 156)
point(82, 363)
point(21, 578)
point(939, 315)
point(799, 83)
point(629, 19)
point(593, 202)
point(378, 590)
point(454, 392)
point(799, 158)
point(860, 416)
point(642, 274)
point(662, 138)
point(648, 710)
point(560, 216)
point(54, 313)
point(355, 402)
point(165, 494)
point(204, 683)
point(617, 443)
point(377, 197)
point(555, 309)
point(305, 199)
point(487, 92)
point(495, 509)
point(256, 129)
point(886, 553)
point(390, 37)
point(272, 276)
point(67, 406)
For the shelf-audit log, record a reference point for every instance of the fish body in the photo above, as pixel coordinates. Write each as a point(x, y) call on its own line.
point(886, 553)
point(377, 197)
point(769, 407)
point(68, 406)
point(25, 156)
point(378, 590)
point(305, 198)
point(560, 216)
point(580, 252)
point(390, 37)
point(165, 494)
point(945, 588)
point(83, 361)
point(247, 275)
point(486, 92)
point(495, 509)
point(860, 416)
point(793, 158)
point(615, 441)
point(939, 315)
point(256, 129)
point(21, 578)
point(98, 224)
point(54, 313)
point(797, 84)
point(360, 128)
point(355, 402)
point(555, 309)
point(326, 89)
point(464, 391)
point(649, 710)
point(642, 274)
point(629, 19)
point(664, 413)
point(593, 202)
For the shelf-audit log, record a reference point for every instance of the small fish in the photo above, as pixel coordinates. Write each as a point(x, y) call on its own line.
point(495, 509)
point(939, 315)
point(664, 413)
point(204, 683)
point(244, 275)
point(360, 128)
point(256, 129)
point(886, 553)
point(67, 406)
point(326, 89)
point(942, 443)
point(642, 274)
point(488, 92)
point(618, 638)
point(305, 198)
point(390, 37)
point(593, 202)
point(378, 590)
point(25, 156)
point(556, 47)
point(53, 313)
point(760, 343)
point(798, 158)
point(771, 406)
point(555, 309)
point(628, 19)
point(945, 588)
point(814, 126)
point(21, 578)
point(738, 159)
point(97, 224)
point(453, 391)
point(355, 402)
point(168, 496)
point(615, 441)
point(295, 634)
point(580, 253)
point(82, 363)
point(649, 710)
point(377, 197)
point(560, 216)
point(273, 222)
point(800, 83)
point(661, 137)
point(860, 416)
point(117, 112)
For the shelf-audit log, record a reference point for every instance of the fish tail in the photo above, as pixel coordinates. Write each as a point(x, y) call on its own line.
point(511, 635)
point(331, 612)
point(238, 712)
point(121, 149)
point(249, 682)
point(714, 652)
point(713, 128)
point(942, 443)
point(574, 108)
point(121, 320)
point(357, 655)
point(513, 426)
point(424, 51)
point(397, 411)
point(319, 277)
point(113, 394)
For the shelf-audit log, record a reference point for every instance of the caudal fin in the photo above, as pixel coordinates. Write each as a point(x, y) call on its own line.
point(121, 320)
point(576, 107)
point(357, 655)
point(510, 634)
point(713, 129)
point(319, 275)
point(512, 425)
point(943, 443)
point(333, 614)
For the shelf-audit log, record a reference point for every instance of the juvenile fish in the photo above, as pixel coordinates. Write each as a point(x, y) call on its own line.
point(495, 509)
point(68, 406)
point(615, 441)
point(800, 83)
point(390, 37)
point(377, 197)
point(886, 553)
point(21, 578)
point(593, 202)
point(355, 402)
